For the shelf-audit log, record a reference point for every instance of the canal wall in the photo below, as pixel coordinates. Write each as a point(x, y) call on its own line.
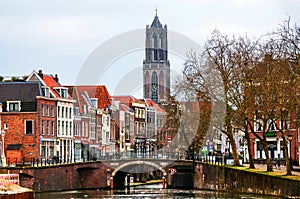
point(214, 177)
point(62, 177)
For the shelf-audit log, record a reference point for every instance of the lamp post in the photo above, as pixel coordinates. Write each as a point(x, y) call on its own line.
point(3, 158)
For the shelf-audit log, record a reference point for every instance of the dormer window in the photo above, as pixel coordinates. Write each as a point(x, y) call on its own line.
point(46, 91)
point(63, 92)
point(13, 106)
point(76, 110)
point(94, 102)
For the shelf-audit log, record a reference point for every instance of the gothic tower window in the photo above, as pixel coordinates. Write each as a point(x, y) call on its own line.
point(154, 41)
point(161, 83)
point(147, 85)
point(161, 41)
point(154, 85)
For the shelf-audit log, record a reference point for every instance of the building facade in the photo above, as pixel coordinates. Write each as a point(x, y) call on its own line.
point(28, 119)
point(64, 141)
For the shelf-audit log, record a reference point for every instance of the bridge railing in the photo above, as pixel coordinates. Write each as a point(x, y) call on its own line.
point(117, 156)
point(39, 162)
point(214, 159)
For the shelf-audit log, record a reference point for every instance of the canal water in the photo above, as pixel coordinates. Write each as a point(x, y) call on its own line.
point(143, 191)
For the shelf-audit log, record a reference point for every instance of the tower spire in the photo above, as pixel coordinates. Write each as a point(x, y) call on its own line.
point(156, 23)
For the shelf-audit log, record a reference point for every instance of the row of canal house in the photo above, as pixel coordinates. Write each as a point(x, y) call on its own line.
point(41, 119)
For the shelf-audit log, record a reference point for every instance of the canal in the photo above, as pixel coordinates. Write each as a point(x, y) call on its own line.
point(143, 191)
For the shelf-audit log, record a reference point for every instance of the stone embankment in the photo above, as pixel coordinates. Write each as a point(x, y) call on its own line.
point(246, 180)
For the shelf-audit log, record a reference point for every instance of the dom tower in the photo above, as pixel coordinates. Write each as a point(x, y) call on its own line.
point(156, 66)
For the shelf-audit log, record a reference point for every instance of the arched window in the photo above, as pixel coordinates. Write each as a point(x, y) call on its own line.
point(161, 41)
point(147, 85)
point(154, 40)
point(162, 85)
point(154, 85)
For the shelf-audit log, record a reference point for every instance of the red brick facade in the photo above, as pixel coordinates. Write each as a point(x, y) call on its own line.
point(19, 146)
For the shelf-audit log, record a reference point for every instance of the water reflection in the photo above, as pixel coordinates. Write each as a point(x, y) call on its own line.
point(145, 191)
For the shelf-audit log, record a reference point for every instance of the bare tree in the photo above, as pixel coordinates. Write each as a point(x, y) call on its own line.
point(244, 58)
point(219, 51)
point(192, 89)
point(259, 84)
point(283, 45)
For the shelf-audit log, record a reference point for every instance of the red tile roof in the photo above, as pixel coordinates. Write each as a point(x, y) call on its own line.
point(99, 92)
point(125, 108)
point(151, 103)
point(127, 100)
point(49, 81)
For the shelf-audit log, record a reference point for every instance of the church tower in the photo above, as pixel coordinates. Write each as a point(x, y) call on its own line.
point(156, 66)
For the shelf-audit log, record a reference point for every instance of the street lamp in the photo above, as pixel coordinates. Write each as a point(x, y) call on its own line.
point(3, 158)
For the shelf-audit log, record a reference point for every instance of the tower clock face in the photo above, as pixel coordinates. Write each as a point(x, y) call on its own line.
point(154, 87)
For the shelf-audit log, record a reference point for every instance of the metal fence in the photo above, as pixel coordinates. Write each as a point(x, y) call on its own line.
point(39, 162)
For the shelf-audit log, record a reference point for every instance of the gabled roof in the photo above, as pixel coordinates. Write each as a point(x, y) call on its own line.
point(46, 80)
point(49, 81)
point(151, 103)
point(79, 98)
point(127, 100)
point(100, 92)
point(125, 108)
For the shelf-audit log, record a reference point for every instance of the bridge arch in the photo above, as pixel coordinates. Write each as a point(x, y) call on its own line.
point(139, 162)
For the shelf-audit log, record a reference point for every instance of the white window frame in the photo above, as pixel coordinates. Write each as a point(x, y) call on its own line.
point(46, 90)
point(269, 124)
point(43, 111)
point(258, 124)
point(13, 102)
point(299, 134)
point(284, 123)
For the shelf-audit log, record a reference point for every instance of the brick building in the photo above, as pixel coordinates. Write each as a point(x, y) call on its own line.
point(29, 121)
point(64, 138)
point(95, 126)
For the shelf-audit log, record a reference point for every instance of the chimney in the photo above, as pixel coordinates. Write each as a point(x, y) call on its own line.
point(56, 78)
point(41, 73)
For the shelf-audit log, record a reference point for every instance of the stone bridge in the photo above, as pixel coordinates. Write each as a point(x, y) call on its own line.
point(96, 174)
point(136, 168)
point(157, 164)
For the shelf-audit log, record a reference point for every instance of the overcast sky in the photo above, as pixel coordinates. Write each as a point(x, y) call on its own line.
point(59, 35)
